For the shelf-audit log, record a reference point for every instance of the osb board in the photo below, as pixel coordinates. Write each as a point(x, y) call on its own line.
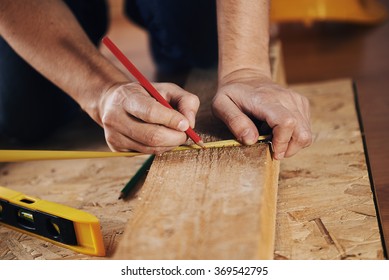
point(325, 205)
point(92, 185)
point(217, 203)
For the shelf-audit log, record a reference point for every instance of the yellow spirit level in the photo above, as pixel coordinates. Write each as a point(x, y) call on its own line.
point(65, 226)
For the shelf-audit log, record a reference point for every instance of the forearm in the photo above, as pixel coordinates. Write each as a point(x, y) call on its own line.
point(47, 35)
point(243, 33)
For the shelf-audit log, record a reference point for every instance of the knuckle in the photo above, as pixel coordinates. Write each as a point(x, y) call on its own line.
point(165, 87)
point(108, 119)
point(171, 85)
point(151, 112)
point(134, 86)
point(289, 122)
point(118, 98)
point(304, 139)
point(194, 100)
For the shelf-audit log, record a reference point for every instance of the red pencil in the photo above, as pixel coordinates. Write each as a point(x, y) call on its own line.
point(146, 84)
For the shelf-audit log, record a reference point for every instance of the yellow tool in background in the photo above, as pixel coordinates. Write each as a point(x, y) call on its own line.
point(65, 226)
point(309, 11)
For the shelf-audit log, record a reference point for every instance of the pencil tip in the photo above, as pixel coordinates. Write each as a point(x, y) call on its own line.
point(120, 196)
point(201, 144)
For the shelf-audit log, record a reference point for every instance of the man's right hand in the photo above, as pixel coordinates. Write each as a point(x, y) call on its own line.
point(133, 120)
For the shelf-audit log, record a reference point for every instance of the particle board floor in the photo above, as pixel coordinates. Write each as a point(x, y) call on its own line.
point(333, 50)
point(325, 203)
point(91, 185)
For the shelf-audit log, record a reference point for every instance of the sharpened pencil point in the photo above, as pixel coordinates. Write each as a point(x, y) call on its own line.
point(201, 144)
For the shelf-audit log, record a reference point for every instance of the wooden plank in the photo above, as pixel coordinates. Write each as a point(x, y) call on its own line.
point(325, 203)
point(206, 204)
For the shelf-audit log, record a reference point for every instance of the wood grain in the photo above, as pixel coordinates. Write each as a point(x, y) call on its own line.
point(207, 204)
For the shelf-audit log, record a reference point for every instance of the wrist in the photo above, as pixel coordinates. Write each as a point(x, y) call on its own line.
point(93, 99)
point(245, 75)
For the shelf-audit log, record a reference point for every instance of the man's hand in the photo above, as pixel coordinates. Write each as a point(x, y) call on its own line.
point(133, 120)
point(285, 111)
point(245, 87)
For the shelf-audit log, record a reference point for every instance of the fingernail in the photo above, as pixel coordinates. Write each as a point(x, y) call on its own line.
point(183, 125)
point(248, 137)
point(280, 156)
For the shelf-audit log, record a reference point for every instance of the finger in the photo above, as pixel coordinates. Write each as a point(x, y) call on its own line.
point(156, 135)
point(238, 123)
point(185, 102)
point(188, 105)
point(149, 110)
point(303, 108)
point(302, 135)
point(281, 138)
point(117, 142)
point(300, 140)
point(151, 135)
point(291, 131)
point(283, 124)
